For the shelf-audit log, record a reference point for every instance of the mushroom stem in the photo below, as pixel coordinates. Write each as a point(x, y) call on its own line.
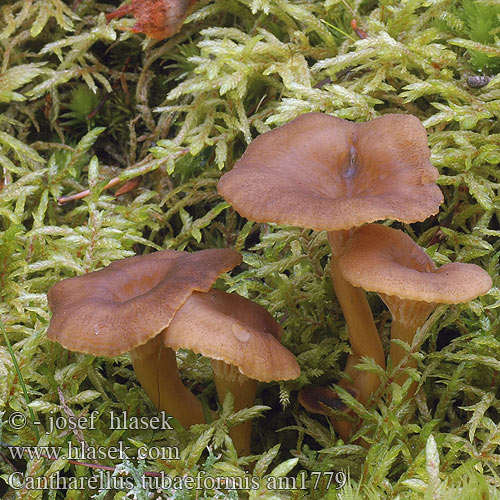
point(401, 331)
point(363, 334)
point(162, 382)
point(407, 317)
point(229, 379)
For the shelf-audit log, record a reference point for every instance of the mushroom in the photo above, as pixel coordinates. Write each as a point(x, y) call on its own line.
point(325, 173)
point(125, 306)
point(242, 340)
point(158, 19)
point(387, 261)
point(324, 401)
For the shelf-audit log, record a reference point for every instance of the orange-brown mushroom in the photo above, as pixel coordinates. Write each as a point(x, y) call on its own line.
point(324, 173)
point(325, 401)
point(125, 306)
point(316, 399)
point(242, 340)
point(387, 261)
point(158, 19)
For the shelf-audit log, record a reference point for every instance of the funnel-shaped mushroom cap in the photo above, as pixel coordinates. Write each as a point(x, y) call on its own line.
point(122, 306)
point(321, 172)
point(385, 260)
point(230, 328)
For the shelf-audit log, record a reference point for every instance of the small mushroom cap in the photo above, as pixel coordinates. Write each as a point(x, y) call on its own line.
point(122, 306)
point(316, 399)
point(385, 260)
point(322, 172)
point(235, 330)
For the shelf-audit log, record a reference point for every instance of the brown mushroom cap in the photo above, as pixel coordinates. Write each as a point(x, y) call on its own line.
point(322, 172)
point(235, 330)
point(385, 260)
point(122, 306)
point(316, 399)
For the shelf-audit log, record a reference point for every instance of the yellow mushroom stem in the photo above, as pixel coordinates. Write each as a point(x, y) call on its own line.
point(228, 378)
point(155, 366)
point(400, 331)
point(363, 334)
point(407, 317)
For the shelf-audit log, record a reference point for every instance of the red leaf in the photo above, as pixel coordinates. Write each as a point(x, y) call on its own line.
point(156, 18)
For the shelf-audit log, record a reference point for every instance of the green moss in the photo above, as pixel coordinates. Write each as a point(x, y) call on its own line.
point(476, 22)
point(481, 20)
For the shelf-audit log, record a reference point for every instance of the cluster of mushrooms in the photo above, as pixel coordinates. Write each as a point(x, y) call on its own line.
point(318, 172)
point(153, 305)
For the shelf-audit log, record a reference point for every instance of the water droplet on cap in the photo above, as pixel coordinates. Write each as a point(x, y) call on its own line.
point(241, 333)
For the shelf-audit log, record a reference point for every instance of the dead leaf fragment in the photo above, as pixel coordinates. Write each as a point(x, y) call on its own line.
point(158, 19)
